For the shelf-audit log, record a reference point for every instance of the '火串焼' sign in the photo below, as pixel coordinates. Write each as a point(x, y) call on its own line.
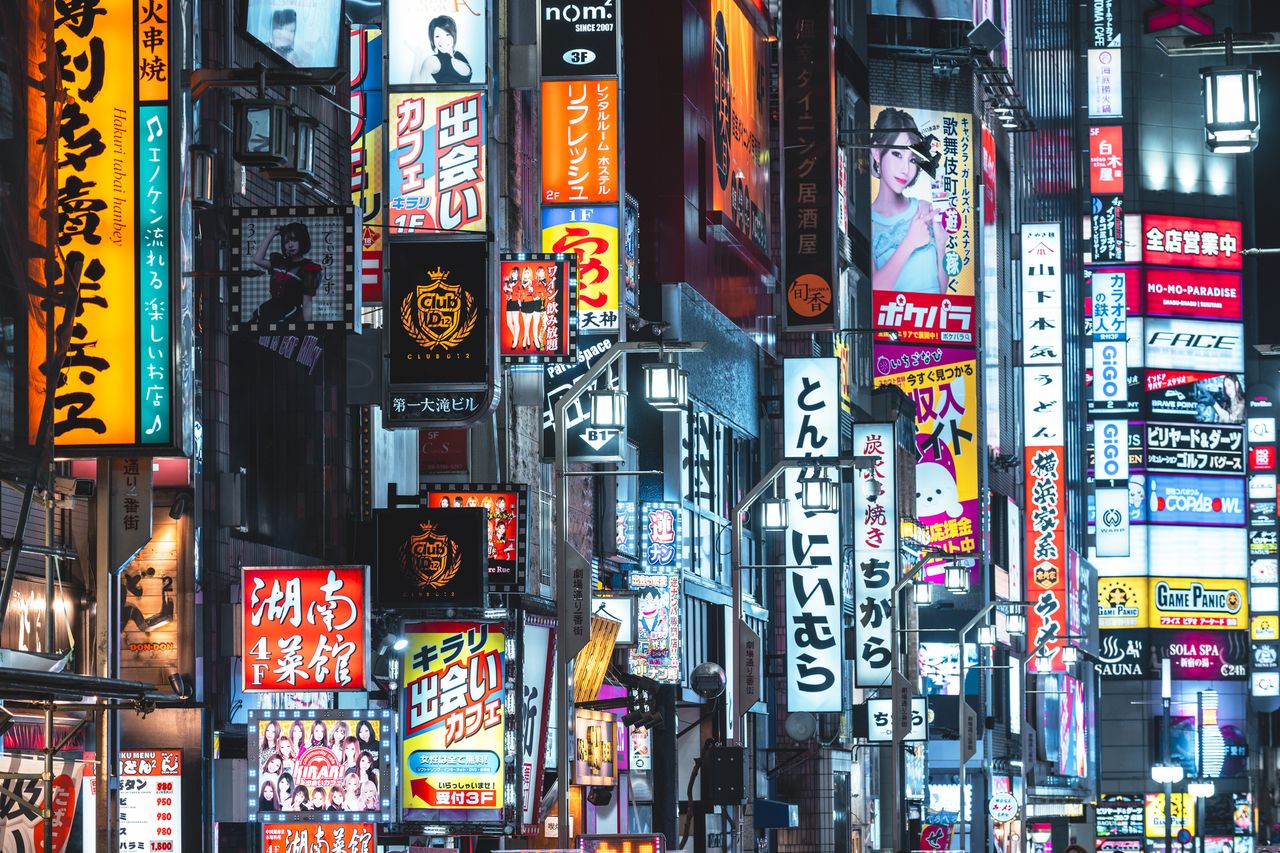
point(116, 391)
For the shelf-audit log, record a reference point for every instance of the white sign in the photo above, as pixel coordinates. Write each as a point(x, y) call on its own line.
point(875, 552)
point(1111, 450)
point(1209, 345)
point(1132, 565)
point(1003, 807)
point(1104, 83)
point(1182, 551)
point(815, 636)
point(1109, 311)
point(811, 407)
point(1262, 430)
point(1112, 529)
point(1110, 371)
point(1043, 400)
point(151, 799)
point(535, 673)
point(1262, 487)
point(1041, 294)
point(880, 720)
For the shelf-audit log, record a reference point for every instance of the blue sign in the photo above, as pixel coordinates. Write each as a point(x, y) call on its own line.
point(1190, 499)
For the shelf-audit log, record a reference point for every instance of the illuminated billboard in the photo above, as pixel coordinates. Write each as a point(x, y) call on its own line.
point(1106, 159)
point(1198, 294)
point(449, 47)
point(1195, 396)
point(318, 837)
point(875, 544)
point(739, 74)
point(922, 229)
point(1195, 448)
point(1182, 241)
point(305, 628)
point(591, 233)
point(436, 162)
point(508, 512)
point(942, 385)
point(454, 722)
point(1188, 499)
point(119, 390)
point(1212, 603)
point(297, 268)
point(368, 153)
point(303, 33)
point(580, 132)
point(539, 304)
point(320, 765)
point(658, 607)
point(1194, 344)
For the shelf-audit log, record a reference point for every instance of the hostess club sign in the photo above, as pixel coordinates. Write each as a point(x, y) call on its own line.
point(1187, 499)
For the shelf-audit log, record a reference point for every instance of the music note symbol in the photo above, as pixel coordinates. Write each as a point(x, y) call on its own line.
point(155, 427)
point(154, 128)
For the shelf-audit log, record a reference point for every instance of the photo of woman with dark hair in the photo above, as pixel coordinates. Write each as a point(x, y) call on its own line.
point(267, 796)
point(1229, 406)
point(444, 64)
point(907, 240)
point(295, 278)
point(365, 735)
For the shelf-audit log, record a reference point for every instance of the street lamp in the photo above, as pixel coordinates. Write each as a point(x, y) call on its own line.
point(986, 635)
point(773, 512)
point(957, 577)
point(922, 593)
point(1070, 655)
point(1201, 789)
point(609, 409)
point(1167, 774)
point(666, 386)
point(1016, 623)
point(817, 491)
point(1230, 104)
point(605, 414)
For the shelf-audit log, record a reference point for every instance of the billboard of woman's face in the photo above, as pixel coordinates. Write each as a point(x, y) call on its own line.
point(437, 43)
point(304, 33)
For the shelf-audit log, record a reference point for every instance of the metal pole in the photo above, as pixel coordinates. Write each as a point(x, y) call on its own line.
point(564, 661)
point(1166, 691)
point(735, 566)
point(964, 632)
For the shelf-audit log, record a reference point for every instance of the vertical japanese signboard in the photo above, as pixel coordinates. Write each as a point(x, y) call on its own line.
point(368, 152)
point(591, 234)
point(810, 412)
point(1264, 580)
point(151, 800)
point(1105, 91)
point(305, 628)
point(815, 636)
point(580, 141)
point(1044, 404)
point(537, 663)
point(436, 162)
point(1106, 160)
point(942, 385)
point(808, 163)
point(663, 551)
point(923, 277)
point(740, 121)
point(114, 203)
point(581, 164)
point(452, 763)
point(875, 551)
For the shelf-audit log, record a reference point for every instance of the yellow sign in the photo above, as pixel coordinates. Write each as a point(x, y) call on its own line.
point(116, 391)
point(1182, 810)
point(1214, 603)
point(454, 720)
point(1265, 627)
point(1122, 603)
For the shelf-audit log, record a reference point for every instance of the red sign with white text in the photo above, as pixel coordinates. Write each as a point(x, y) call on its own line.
point(1200, 294)
point(1262, 457)
point(928, 318)
point(305, 628)
point(1106, 160)
point(1182, 241)
point(318, 837)
point(1132, 276)
point(1046, 540)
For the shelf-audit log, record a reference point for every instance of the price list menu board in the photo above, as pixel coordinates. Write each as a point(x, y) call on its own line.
point(151, 801)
